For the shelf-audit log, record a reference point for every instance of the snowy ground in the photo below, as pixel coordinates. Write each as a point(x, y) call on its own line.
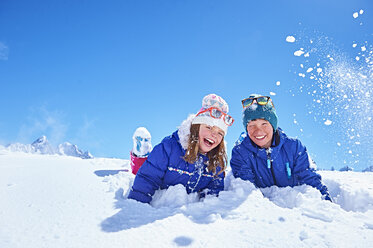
point(59, 201)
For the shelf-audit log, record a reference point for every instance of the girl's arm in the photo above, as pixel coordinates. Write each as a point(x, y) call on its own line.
point(150, 175)
point(216, 185)
point(240, 168)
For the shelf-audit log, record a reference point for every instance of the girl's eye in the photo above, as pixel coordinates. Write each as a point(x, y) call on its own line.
point(208, 127)
point(222, 135)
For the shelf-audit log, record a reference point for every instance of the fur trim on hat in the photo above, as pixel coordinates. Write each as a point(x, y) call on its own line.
point(184, 131)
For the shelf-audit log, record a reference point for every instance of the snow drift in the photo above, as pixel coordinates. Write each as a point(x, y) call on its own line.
point(61, 201)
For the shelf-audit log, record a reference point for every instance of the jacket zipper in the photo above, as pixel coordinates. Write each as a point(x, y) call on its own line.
point(269, 164)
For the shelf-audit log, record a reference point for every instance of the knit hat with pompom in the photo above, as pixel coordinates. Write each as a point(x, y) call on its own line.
point(212, 100)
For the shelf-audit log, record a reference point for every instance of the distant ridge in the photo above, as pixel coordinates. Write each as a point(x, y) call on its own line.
point(369, 169)
point(42, 146)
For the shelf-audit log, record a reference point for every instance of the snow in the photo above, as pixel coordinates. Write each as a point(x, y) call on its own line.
point(298, 53)
point(328, 122)
point(356, 14)
point(60, 201)
point(42, 146)
point(339, 85)
point(142, 132)
point(253, 106)
point(278, 83)
point(142, 145)
point(290, 39)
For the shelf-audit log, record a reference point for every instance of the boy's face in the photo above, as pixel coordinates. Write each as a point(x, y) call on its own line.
point(260, 132)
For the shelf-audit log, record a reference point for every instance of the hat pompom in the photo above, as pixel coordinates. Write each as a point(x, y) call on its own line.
point(212, 100)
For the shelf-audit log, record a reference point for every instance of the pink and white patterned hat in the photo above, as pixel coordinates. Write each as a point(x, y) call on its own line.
point(212, 100)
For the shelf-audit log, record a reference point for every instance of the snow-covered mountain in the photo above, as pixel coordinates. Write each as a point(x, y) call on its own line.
point(369, 169)
point(346, 168)
point(42, 146)
point(69, 149)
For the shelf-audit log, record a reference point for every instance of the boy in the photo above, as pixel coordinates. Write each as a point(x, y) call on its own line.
point(266, 156)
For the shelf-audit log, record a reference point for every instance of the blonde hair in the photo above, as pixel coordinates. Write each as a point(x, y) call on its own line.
point(217, 156)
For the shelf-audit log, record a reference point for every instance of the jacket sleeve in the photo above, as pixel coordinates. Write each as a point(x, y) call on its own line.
point(150, 175)
point(216, 185)
point(306, 174)
point(240, 167)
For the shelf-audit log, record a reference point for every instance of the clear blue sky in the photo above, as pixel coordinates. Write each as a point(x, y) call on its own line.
point(91, 72)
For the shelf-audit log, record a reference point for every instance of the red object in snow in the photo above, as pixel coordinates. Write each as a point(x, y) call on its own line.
point(136, 162)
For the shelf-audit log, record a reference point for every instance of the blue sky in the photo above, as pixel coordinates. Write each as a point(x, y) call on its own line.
point(91, 72)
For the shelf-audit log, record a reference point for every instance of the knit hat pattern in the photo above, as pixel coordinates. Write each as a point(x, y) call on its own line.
point(256, 111)
point(212, 100)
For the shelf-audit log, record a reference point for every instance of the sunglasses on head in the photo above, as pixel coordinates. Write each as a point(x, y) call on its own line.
point(261, 100)
point(218, 114)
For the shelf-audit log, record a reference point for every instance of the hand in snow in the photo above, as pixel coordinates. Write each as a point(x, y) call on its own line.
point(327, 197)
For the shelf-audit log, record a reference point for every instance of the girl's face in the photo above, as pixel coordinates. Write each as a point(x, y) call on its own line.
point(260, 132)
point(209, 137)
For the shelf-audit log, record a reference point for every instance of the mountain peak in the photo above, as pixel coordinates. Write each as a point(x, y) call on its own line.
point(41, 140)
point(42, 146)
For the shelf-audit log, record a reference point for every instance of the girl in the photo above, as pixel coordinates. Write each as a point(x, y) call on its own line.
point(193, 156)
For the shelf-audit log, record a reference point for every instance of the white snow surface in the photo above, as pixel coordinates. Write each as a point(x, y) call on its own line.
point(59, 201)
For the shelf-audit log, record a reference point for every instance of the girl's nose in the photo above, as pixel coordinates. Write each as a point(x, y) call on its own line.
point(214, 133)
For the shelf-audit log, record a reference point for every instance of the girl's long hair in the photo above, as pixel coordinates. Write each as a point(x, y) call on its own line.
point(217, 156)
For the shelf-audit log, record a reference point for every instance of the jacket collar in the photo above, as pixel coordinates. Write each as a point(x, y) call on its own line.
point(183, 131)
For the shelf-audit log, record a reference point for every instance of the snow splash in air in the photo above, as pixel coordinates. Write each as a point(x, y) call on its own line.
point(340, 85)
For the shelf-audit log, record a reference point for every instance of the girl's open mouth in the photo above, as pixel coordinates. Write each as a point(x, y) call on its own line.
point(209, 142)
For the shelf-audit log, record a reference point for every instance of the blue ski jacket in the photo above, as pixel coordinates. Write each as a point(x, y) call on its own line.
point(165, 167)
point(285, 163)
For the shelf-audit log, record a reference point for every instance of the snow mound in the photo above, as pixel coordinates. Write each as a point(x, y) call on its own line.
point(61, 201)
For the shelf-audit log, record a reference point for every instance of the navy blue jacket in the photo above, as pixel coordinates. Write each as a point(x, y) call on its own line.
point(285, 163)
point(165, 167)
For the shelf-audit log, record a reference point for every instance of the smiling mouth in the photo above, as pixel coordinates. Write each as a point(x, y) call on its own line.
point(260, 137)
point(209, 142)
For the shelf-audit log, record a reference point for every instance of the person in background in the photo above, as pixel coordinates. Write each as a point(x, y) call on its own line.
point(193, 156)
point(142, 146)
point(266, 156)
